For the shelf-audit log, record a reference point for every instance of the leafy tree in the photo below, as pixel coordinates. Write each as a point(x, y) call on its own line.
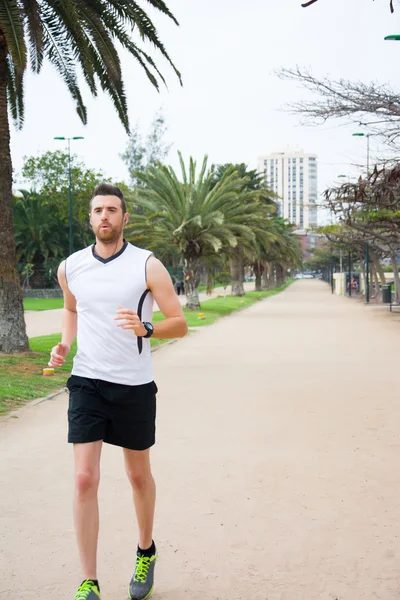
point(82, 35)
point(141, 154)
point(369, 212)
point(48, 175)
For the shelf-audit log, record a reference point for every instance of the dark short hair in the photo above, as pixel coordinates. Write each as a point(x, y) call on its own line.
point(107, 189)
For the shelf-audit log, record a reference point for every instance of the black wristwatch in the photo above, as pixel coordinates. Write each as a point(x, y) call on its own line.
point(149, 328)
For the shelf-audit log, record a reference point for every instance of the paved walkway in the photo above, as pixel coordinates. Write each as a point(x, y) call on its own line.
point(277, 466)
point(46, 322)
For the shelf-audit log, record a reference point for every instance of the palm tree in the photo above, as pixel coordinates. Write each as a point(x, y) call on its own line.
point(260, 233)
point(38, 231)
point(70, 35)
point(197, 216)
point(284, 253)
point(249, 247)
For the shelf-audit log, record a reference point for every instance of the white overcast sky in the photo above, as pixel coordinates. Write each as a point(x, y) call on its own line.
point(230, 106)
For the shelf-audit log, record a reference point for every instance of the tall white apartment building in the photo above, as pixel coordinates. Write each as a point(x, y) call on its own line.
point(293, 177)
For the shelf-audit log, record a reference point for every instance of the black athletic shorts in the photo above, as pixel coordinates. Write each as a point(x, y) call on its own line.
point(123, 415)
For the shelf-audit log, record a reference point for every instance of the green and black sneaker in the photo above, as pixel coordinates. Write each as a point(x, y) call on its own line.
point(142, 582)
point(88, 590)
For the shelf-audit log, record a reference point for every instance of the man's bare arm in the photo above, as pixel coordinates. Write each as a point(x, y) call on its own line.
point(69, 322)
point(160, 284)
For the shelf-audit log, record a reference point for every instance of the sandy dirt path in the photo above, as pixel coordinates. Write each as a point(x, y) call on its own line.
point(277, 466)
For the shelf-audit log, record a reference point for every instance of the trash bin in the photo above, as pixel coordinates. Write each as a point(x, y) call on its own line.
point(386, 294)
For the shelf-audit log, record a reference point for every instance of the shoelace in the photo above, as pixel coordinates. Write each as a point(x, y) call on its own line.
point(84, 590)
point(142, 568)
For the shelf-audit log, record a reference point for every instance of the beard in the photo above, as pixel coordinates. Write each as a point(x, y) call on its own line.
point(108, 236)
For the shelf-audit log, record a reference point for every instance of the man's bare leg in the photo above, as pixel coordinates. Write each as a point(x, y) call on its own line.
point(137, 465)
point(86, 509)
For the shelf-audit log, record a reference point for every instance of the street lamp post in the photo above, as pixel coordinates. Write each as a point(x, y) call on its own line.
point(349, 271)
point(77, 137)
point(367, 135)
point(367, 273)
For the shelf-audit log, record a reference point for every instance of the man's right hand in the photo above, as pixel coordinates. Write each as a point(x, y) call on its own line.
point(58, 355)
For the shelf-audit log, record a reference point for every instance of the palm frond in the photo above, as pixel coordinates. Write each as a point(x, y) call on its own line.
point(12, 26)
point(58, 51)
point(35, 33)
point(84, 34)
point(15, 93)
point(133, 14)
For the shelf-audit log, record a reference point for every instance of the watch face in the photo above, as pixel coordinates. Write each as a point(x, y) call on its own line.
point(149, 327)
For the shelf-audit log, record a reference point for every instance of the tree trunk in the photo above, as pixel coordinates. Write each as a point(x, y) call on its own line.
point(396, 276)
point(191, 272)
point(37, 280)
point(378, 266)
point(264, 277)
point(236, 264)
point(273, 278)
point(279, 275)
point(269, 279)
point(203, 275)
point(13, 336)
point(363, 271)
point(258, 268)
point(374, 282)
point(378, 272)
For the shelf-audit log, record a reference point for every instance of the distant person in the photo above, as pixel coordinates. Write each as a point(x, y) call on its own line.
point(354, 284)
point(180, 287)
point(108, 303)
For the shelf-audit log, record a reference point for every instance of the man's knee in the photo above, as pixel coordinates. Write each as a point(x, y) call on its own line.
point(86, 482)
point(140, 479)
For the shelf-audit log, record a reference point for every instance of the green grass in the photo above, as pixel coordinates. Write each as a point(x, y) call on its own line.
point(43, 303)
point(21, 377)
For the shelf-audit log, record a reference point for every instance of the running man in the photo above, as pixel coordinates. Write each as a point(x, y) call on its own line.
point(109, 289)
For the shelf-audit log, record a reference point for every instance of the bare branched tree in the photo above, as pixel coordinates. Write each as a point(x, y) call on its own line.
point(362, 102)
point(373, 105)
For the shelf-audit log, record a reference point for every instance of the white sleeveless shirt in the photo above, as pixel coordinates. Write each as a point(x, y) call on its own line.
point(100, 286)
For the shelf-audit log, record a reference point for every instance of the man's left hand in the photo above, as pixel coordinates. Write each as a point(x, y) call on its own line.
point(130, 320)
